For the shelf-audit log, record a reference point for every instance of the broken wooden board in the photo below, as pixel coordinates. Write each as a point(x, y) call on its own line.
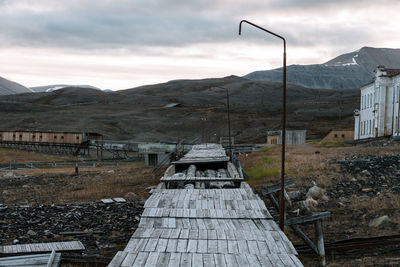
point(42, 247)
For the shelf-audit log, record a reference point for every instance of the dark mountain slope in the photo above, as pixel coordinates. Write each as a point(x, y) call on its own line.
point(8, 87)
point(140, 113)
point(350, 70)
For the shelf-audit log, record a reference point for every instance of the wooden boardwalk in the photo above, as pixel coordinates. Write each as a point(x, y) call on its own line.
point(207, 227)
point(42, 247)
point(39, 260)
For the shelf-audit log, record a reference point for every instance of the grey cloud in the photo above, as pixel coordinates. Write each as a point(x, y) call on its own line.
point(301, 4)
point(137, 25)
point(103, 26)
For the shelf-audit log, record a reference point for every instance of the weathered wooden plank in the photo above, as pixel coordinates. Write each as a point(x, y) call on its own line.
point(140, 259)
point(192, 245)
point(212, 246)
point(43, 247)
point(118, 259)
point(186, 260)
point(232, 247)
point(162, 245)
point(276, 261)
point(197, 260)
point(242, 260)
point(310, 218)
point(51, 258)
point(151, 245)
point(172, 243)
point(264, 260)
point(243, 248)
point(152, 259)
point(208, 260)
point(231, 260)
point(253, 260)
point(275, 188)
point(174, 260)
point(129, 260)
point(182, 245)
point(296, 261)
point(202, 246)
point(163, 259)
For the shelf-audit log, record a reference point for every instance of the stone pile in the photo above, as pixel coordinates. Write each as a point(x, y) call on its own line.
point(95, 224)
point(368, 175)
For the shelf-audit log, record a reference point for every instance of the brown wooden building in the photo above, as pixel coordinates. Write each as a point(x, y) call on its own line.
point(339, 136)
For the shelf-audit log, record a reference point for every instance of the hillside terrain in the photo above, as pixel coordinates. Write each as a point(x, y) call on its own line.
point(142, 113)
point(350, 70)
point(8, 87)
point(50, 88)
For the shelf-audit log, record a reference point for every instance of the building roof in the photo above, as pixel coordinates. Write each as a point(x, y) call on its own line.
point(391, 72)
point(364, 85)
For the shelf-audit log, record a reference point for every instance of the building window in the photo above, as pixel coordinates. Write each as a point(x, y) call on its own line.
point(362, 102)
point(55, 137)
point(33, 136)
point(77, 138)
point(370, 127)
point(342, 135)
point(335, 135)
point(40, 137)
point(370, 100)
point(62, 137)
point(364, 127)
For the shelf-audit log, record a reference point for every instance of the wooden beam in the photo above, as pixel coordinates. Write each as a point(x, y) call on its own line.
point(265, 190)
point(320, 242)
point(310, 218)
point(305, 238)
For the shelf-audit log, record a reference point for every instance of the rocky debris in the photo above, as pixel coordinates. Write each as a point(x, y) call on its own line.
point(317, 193)
point(381, 221)
point(9, 175)
point(308, 205)
point(130, 195)
point(367, 176)
point(295, 195)
point(97, 225)
point(31, 233)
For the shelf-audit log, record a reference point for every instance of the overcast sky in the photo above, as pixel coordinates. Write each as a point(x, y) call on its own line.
point(120, 44)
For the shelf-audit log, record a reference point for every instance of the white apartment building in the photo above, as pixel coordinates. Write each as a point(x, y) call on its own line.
point(379, 106)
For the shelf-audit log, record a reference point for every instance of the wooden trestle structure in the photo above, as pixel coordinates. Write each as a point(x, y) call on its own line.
point(204, 214)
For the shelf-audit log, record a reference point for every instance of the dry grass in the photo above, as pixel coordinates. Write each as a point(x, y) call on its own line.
point(48, 186)
point(20, 156)
point(381, 202)
point(304, 163)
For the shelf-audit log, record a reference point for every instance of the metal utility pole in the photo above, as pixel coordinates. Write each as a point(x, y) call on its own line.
point(229, 120)
point(281, 198)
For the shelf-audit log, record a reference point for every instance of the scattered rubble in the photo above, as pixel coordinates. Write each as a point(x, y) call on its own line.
point(317, 193)
point(368, 175)
point(95, 224)
point(378, 222)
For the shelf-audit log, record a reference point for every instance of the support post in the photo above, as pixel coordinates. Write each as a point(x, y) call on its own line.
point(320, 242)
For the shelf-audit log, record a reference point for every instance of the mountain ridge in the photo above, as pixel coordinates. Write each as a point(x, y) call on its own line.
point(349, 70)
point(8, 87)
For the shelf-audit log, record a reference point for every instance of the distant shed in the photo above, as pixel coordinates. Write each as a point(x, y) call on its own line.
point(339, 136)
point(293, 137)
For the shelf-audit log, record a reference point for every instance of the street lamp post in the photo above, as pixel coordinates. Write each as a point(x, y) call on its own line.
point(229, 120)
point(281, 199)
